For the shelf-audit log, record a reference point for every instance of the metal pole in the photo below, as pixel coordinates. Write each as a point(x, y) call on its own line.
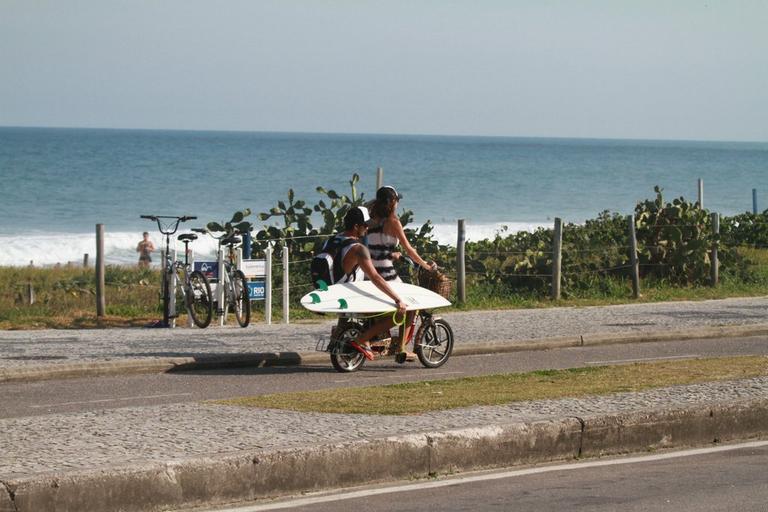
point(379, 178)
point(220, 297)
point(286, 282)
point(461, 277)
point(754, 200)
point(713, 260)
point(268, 285)
point(191, 255)
point(557, 257)
point(100, 300)
point(164, 283)
point(701, 193)
point(633, 257)
point(30, 294)
point(173, 312)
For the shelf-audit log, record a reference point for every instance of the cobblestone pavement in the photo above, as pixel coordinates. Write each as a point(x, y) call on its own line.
point(20, 349)
point(37, 445)
point(123, 437)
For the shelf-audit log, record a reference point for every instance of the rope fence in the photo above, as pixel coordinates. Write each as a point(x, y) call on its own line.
point(554, 261)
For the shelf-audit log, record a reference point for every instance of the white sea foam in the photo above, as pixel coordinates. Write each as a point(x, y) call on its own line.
point(120, 247)
point(448, 233)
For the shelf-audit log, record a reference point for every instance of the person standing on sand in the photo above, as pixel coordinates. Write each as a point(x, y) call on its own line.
point(144, 249)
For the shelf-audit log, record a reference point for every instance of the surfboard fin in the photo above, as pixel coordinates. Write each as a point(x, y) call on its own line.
point(322, 285)
point(343, 304)
point(315, 298)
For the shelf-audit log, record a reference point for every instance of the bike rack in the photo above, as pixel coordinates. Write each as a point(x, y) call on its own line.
point(219, 292)
point(169, 295)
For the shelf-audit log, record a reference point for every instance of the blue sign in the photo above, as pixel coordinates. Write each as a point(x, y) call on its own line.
point(256, 290)
point(210, 269)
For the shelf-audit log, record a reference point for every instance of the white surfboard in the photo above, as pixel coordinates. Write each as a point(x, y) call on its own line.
point(364, 297)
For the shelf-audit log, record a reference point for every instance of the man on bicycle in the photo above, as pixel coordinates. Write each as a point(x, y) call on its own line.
point(356, 262)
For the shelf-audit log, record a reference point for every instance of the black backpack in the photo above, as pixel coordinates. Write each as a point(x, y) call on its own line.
point(323, 268)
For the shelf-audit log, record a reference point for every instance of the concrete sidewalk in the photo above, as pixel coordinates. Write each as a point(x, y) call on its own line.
point(30, 355)
point(182, 455)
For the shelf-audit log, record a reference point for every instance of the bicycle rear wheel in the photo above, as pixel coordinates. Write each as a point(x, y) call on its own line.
point(344, 358)
point(241, 302)
point(199, 300)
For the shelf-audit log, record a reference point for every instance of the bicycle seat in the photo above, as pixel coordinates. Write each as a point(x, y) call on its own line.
point(232, 240)
point(188, 237)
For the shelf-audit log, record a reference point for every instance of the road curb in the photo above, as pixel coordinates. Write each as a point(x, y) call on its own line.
point(264, 359)
point(252, 475)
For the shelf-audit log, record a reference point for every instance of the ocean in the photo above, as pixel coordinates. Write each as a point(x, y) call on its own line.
point(59, 183)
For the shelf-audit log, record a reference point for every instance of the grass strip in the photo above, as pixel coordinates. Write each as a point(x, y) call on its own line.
point(418, 397)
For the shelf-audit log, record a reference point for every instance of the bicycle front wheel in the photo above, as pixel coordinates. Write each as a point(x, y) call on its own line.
point(241, 303)
point(199, 299)
point(434, 342)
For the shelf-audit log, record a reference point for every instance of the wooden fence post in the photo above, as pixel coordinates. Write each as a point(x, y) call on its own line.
point(85, 260)
point(557, 257)
point(461, 271)
point(754, 200)
point(100, 301)
point(633, 257)
point(713, 260)
point(30, 294)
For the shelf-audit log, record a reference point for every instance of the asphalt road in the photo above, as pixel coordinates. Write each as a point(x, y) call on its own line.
point(78, 395)
point(688, 481)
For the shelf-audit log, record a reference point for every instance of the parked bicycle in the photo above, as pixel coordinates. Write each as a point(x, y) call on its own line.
point(233, 280)
point(179, 278)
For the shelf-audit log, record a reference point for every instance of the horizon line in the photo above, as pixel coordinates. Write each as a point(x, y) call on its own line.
point(384, 134)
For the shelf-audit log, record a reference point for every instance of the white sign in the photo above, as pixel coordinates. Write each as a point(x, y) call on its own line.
point(254, 268)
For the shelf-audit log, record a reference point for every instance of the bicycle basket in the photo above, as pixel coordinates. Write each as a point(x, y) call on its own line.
point(436, 281)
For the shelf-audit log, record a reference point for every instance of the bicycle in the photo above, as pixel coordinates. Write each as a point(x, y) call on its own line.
point(233, 280)
point(432, 342)
point(432, 339)
point(193, 286)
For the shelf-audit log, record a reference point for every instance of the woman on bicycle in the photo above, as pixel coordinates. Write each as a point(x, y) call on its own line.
point(384, 235)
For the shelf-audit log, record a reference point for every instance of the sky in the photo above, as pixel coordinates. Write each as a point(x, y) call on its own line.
point(646, 69)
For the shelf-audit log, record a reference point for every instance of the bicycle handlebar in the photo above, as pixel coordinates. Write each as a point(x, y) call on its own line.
point(167, 230)
point(223, 235)
point(408, 261)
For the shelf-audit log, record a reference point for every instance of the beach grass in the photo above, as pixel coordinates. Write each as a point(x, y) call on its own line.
point(65, 295)
point(435, 395)
point(65, 298)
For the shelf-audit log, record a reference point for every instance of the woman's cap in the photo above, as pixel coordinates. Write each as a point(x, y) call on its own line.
point(355, 216)
point(387, 193)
